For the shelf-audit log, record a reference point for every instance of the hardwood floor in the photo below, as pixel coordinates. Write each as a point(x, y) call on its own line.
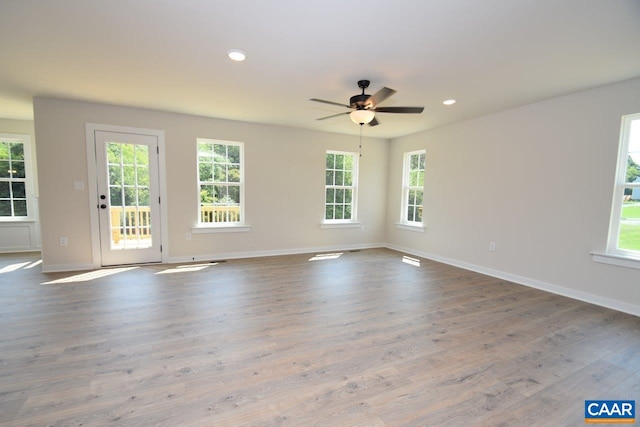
point(363, 339)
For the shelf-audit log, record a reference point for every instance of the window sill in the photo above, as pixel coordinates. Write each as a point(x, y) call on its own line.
point(410, 227)
point(621, 260)
point(227, 228)
point(341, 225)
point(8, 220)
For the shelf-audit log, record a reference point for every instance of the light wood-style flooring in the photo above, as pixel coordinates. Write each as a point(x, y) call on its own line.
point(367, 338)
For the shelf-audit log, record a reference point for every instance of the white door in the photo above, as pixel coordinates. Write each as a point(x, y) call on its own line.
point(128, 198)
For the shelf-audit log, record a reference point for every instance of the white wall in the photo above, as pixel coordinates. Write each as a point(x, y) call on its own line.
point(21, 236)
point(537, 181)
point(284, 175)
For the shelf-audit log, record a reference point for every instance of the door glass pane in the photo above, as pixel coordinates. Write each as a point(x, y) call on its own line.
point(115, 174)
point(142, 175)
point(130, 213)
point(143, 196)
point(129, 174)
point(130, 196)
point(115, 196)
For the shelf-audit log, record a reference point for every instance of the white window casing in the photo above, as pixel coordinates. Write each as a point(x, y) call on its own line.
point(623, 242)
point(341, 189)
point(220, 186)
point(16, 178)
point(411, 206)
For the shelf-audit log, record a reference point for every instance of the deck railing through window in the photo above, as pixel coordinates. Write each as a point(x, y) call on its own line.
point(217, 214)
point(130, 221)
point(135, 222)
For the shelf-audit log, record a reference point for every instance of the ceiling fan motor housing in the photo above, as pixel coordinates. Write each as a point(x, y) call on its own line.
point(359, 101)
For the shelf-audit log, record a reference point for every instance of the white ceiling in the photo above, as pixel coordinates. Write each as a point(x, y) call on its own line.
point(171, 55)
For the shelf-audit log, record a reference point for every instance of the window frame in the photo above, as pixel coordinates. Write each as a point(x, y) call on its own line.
point(240, 225)
point(620, 185)
point(353, 187)
point(25, 140)
point(404, 223)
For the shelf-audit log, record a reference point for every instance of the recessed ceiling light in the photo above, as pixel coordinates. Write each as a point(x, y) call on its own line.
point(236, 55)
point(449, 102)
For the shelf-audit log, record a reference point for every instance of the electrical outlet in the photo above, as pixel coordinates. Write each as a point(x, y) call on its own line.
point(64, 241)
point(492, 246)
point(187, 236)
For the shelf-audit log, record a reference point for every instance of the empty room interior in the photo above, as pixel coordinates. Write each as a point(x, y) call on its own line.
point(362, 213)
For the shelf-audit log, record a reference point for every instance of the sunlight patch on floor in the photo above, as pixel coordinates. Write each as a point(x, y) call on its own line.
point(411, 261)
point(186, 268)
point(323, 257)
point(92, 275)
point(13, 267)
point(33, 264)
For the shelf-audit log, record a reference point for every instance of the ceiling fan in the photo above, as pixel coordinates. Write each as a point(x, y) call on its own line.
point(363, 107)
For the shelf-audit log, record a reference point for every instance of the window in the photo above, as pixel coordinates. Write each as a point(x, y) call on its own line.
point(220, 182)
point(14, 176)
point(341, 180)
point(413, 188)
point(624, 231)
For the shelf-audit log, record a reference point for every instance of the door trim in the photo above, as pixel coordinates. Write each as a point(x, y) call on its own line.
point(92, 174)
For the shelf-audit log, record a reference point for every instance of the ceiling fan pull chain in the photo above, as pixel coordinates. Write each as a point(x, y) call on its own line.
point(360, 145)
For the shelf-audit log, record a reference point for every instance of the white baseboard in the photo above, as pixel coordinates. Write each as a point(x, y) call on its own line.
point(277, 252)
point(526, 281)
point(16, 250)
point(62, 268)
point(58, 268)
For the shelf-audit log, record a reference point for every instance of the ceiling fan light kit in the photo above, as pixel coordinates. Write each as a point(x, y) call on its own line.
point(364, 107)
point(362, 117)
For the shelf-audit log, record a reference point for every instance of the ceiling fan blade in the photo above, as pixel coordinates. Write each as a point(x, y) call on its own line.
point(402, 110)
point(380, 96)
point(329, 102)
point(374, 122)
point(334, 115)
